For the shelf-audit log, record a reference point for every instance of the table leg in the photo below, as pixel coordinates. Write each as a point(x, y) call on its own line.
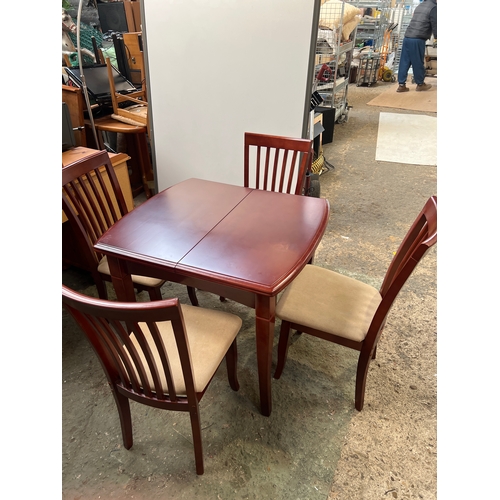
point(122, 281)
point(264, 333)
point(141, 143)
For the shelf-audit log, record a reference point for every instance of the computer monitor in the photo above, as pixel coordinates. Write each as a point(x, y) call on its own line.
point(96, 80)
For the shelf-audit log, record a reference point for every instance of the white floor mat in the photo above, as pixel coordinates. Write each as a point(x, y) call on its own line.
point(407, 138)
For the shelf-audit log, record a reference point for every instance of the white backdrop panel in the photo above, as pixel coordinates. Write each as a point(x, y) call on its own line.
point(217, 69)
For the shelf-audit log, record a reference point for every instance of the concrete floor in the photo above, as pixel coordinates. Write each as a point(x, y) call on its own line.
point(315, 445)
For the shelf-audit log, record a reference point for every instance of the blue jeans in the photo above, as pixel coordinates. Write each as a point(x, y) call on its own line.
point(412, 54)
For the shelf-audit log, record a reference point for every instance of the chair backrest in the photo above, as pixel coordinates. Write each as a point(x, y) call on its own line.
point(275, 163)
point(136, 360)
point(92, 199)
point(421, 236)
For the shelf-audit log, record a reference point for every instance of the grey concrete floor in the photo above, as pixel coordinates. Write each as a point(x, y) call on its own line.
point(315, 445)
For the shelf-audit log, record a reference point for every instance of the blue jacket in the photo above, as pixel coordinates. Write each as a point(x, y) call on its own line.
point(423, 24)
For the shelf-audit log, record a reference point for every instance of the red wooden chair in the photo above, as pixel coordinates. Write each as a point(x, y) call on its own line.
point(275, 163)
point(168, 359)
point(93, 201)
point(346, 311)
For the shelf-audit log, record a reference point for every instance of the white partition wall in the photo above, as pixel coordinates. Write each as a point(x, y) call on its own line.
point(218, 68)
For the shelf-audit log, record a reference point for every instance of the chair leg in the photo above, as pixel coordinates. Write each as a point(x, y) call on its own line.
point(282, 348)
point(100, 140)
point(123, 406)
point(155, 293)
point(194, 414)
point(100, 284)
point(231, 364)
point(192, 295)
point(142, 148)
point(361, 374)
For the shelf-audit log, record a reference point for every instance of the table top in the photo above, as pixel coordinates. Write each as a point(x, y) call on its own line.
point(77, 153)
point(251, 239)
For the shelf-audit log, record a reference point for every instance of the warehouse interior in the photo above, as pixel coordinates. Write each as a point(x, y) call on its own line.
point(376, 155)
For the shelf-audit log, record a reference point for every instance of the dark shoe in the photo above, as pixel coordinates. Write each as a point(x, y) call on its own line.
point(423, 86)
point(402, 88)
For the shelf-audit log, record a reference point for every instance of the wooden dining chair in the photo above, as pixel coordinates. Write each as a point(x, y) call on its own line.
point(137, 111)
point(166, 360)
point(93, 201)
point(346, 311)
point(275, 163)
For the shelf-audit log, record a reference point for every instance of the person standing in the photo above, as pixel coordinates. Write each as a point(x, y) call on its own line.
point(423, 24)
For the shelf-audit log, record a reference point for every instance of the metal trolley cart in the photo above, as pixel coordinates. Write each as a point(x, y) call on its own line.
point(334, 51)
point(369, 65)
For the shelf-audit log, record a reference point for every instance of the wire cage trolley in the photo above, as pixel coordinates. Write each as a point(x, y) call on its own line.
point(334, 49)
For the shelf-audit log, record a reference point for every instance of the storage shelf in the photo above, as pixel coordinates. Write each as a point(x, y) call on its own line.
point(346, 47)
point(337, 53)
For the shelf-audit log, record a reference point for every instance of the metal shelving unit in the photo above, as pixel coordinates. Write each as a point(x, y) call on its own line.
point(334, 50)
point(372, 26)
point(382, 33)
point(369, 33)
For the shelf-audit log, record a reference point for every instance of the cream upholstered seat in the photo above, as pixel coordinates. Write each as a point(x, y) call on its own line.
point(330, 302)
point(158, 353)
point(210, 333)
point(345, 311)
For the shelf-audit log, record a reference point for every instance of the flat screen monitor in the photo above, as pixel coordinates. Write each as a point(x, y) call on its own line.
point(96, 80)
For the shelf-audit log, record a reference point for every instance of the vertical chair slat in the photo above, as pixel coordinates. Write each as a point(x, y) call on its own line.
point(293, 164)
point(106, 335)
point(275, 168)
point(84, 211)
point(150, 367)
point(102, 336)
point(136, 358)
point(258, 167)
point(101, 214)
point(108, 208)
point(127, 357)
point(155, 333)
point(93, 210)
point(284, 170)
point(184, 354)
point(266, 170)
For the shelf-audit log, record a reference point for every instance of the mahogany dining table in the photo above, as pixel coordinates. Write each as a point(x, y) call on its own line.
point(240, 243)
